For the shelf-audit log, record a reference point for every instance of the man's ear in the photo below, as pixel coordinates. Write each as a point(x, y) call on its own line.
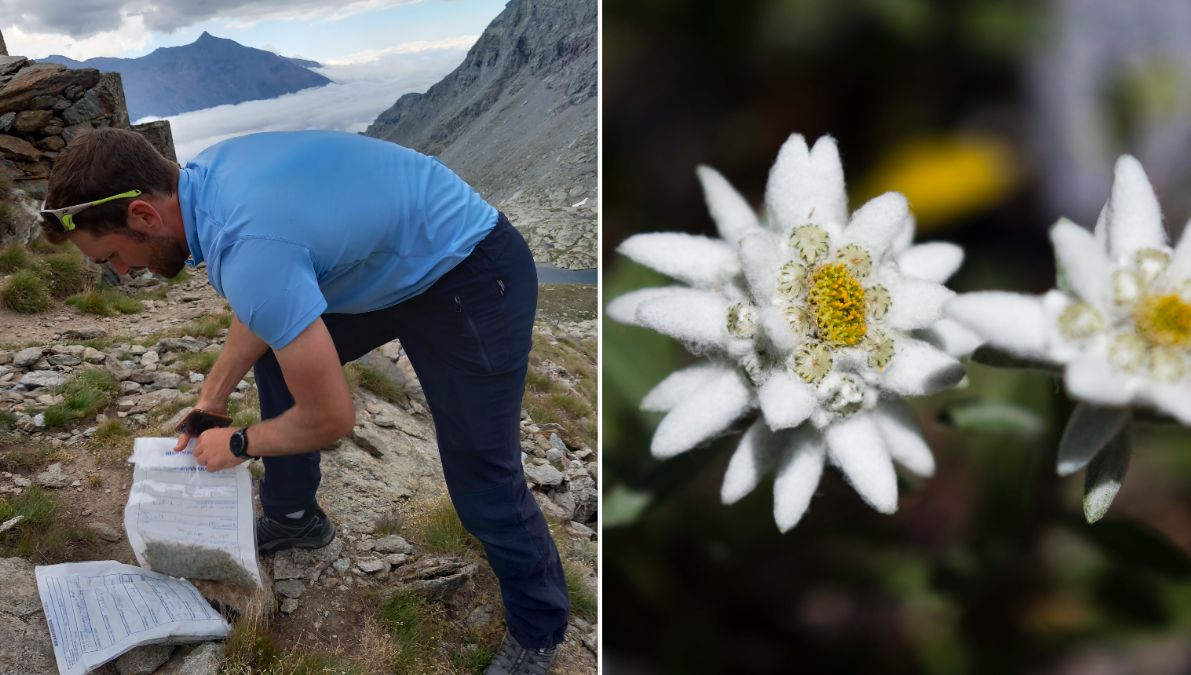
point(144, 218)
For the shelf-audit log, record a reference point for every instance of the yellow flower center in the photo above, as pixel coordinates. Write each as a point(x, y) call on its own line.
point(837, 304)
point(1164, 320)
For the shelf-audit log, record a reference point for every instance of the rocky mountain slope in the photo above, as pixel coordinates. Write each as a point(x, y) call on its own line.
point(382, 485)
point(518, 121)
point(208, 72)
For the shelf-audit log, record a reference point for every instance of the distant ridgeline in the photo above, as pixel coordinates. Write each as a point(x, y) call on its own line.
point(518, 121)
point(210, 71)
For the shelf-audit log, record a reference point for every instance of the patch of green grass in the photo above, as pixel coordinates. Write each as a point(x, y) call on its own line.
point(42, 245)
point(26, 293)
point(199, 362)
point(8, 420)
point(101, 344)
point(63, 274)
point(583, 600)
point(405, 617)
point(105, 301)
point(256, 470)
point(181, 277)
point(95, 481)
point(42, 536)
point(26, 459)
point(373, 380)
point(112, 430)
point(86, 393)
point(154, 294)
point(207, 326)
point(14, 257)
point(443, 532)
point(245, 411)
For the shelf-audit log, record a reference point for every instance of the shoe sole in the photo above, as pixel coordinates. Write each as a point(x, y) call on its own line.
point(297, 542)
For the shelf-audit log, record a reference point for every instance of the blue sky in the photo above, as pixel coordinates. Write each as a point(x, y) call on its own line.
point(315, 29)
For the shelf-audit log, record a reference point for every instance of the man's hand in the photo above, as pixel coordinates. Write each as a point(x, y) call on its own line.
point(213, 449)
point(203, 416)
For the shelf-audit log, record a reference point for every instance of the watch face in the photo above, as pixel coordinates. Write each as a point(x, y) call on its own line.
point(237, 443)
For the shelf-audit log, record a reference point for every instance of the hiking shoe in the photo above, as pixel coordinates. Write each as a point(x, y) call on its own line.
point(513, 659)
point(315, 532)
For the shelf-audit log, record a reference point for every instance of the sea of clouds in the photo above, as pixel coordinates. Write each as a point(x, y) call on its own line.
point(363, 86)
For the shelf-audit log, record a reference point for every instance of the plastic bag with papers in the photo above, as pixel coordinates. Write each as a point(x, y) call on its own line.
point(186, 522)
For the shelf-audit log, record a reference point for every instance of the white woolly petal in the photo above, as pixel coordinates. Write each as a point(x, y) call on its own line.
point(1180, 261)
point(703, 415)
point(733, 216)
point(696, 260)
point(1083, 260)
point(797, 476)
point(916, 303)
point(760, 256)
point(681, 384)
point(1134, 217)
point(829, 171)
point(777, 328)
point(624, 308)
point(1172, 399)
point(801, 191)
point(854, 445)
point(1089, 429)
point(895, 420)
point(876, 224)
point(918, 368)
point(905, 235)
point(696, 317)
point(756, 455)
point(953, 338)
point(1010, 321)
point(935, 261)
point(786, 401)
point(1089, 378)
point(1100, 231)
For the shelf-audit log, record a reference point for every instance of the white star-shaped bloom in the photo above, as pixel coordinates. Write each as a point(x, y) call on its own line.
point(822, 322)
point(1118, 325)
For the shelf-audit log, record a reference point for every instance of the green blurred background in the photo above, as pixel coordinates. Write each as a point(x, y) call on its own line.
point(994, 118)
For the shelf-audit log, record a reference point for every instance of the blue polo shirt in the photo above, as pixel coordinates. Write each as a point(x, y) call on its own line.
point(296, 224)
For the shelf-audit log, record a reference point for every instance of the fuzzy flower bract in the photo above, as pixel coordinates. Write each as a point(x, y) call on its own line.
point(1118, 326)
point(821, 322)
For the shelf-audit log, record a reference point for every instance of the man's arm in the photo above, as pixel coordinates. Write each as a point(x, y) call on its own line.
point(241, 349)
point(322, 411)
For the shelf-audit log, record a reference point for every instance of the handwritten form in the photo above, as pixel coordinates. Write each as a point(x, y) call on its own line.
point(176, 502)
point(98, 610)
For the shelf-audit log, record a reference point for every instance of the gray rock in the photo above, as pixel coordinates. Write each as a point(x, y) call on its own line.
point(289, 606)
point(86, 108)
point(290, 588)
point(64, 360)
point(53, 477)
point(397, 559)
point(185, 343)
point(305, 563)
point(480, 617)
point(141, 403)
point(393, 544)
point(372, 565)
point(544, 475)
point(587, 499)
point(205, 659)
point(342, 565)
point(143, 376)
point(557, 444)
point(117, 369)
point(150, 358)
point(106, 532)
point(144, 660)
point(24, 637)
point(167, 380)
point(369, 440)
point(93, 355)
point(11, 523)
point(565, 501)
point(39, 420)
point(437, 579)
point(27, 357)
point(554, 456)
point(42, 378)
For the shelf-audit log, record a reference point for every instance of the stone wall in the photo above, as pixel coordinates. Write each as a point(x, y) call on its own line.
point(43, 108)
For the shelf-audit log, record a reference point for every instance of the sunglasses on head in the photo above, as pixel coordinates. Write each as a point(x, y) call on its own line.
point(63, 218)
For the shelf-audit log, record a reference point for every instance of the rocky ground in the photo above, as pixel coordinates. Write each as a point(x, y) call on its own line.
point(382, 486)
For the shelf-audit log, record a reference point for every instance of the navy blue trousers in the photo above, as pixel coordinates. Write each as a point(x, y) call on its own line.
point(468, 338)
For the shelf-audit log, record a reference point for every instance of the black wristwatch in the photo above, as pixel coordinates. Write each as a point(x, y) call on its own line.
point(239, 444)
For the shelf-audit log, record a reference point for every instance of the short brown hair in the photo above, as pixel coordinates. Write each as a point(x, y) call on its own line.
point(102, 163)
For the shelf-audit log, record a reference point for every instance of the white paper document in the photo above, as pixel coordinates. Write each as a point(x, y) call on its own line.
point(98, 610)
point(186, 522)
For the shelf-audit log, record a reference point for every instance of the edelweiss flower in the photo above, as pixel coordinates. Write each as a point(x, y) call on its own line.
point(1119, 325)
point(821, 322)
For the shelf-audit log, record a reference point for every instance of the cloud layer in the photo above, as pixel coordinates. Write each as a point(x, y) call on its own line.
point(360, 92)
point(84, 18)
